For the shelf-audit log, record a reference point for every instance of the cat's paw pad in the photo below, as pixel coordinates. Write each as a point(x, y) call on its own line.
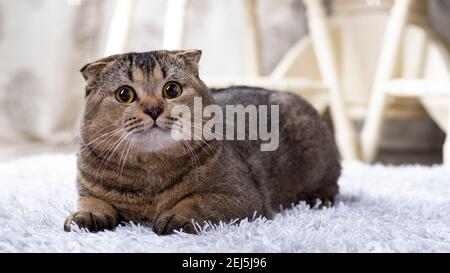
point(167, 223)
point(91, 221)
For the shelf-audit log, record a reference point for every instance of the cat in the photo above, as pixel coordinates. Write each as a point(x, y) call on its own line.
point(131, 169)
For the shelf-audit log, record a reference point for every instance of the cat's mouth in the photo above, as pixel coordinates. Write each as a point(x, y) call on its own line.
point(155, 137)
point(156, 129)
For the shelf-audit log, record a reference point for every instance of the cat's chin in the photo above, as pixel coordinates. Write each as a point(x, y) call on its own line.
point(155, 139)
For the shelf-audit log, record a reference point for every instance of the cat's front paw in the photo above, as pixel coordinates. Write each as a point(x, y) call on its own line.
point(91, 221)
point(168, 222)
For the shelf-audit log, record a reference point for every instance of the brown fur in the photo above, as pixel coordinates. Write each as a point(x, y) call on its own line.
point(149, 178)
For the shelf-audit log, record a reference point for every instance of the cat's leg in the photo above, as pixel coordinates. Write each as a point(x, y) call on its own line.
point(327, 193)
point(324, 196)
point(94, 215)
point(199, 208)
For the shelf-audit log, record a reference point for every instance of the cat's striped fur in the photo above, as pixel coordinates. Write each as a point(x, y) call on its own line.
point(172, 183)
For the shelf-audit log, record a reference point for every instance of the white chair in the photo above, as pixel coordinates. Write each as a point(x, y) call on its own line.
point(323, 87)
point(282, 77)
point(119, 27)
point(412, 64)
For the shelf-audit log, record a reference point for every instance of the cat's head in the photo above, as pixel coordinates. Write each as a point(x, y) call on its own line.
point(130, 97)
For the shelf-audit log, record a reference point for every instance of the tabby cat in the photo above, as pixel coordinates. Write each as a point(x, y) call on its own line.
point(130, 168)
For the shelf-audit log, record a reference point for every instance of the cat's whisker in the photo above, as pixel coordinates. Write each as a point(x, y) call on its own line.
point(116, 147)
point(195, 155)
point(226, 122)
point(127, 142)
point(205, 143)
point(108, 140)
point(206, 150)
point(85, 145)
point(130, 123)
point(97, 133)
point(196, 160)
point(105, 154)
point(101, 129)
point(208, 146)
point(189, 152)
point(213, 134)
point(109, 155)
point(130, 146)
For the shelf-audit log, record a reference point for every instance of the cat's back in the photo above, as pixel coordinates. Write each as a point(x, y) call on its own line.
point(247, 95)
point(306, 156)
point(240, 95)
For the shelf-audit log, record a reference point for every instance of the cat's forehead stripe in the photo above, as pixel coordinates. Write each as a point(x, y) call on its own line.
point(158, 72)
point(161, 67)
point(142, 65)
point(137, 74)
point(130, 70)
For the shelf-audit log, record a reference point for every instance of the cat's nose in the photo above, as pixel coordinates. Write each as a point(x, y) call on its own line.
point(153, 111)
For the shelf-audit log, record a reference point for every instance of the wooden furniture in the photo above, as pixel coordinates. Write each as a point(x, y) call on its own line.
point(332, 66)
point(326, 89)
point(412, 64)
point(119, 27)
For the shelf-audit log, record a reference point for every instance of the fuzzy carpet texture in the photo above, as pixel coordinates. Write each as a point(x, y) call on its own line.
point(379, 209)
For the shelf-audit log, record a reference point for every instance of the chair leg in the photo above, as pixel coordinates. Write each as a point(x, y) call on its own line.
point(370, 135)
point(446, 151)
point(253, 52)
point(345, 133)
point(119, 27)
point(173, 34)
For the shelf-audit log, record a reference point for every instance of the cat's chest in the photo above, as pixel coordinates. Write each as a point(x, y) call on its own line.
point(138, 212)
point(139, 205)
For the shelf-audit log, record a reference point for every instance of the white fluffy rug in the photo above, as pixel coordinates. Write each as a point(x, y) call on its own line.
point(380, 209)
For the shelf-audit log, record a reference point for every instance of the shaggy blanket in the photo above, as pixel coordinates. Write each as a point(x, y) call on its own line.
point(380, 209)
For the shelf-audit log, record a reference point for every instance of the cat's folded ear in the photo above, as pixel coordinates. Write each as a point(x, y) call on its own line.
point(191, 57)
point(91, 70)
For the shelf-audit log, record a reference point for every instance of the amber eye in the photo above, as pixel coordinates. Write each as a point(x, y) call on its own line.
point(125, 94)
point(172, 90)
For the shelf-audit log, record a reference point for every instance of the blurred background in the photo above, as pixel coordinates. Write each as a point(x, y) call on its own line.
point(44, 43)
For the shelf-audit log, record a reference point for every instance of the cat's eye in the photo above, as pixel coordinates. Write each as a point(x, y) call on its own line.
point(125, 95)
point(172, 90)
